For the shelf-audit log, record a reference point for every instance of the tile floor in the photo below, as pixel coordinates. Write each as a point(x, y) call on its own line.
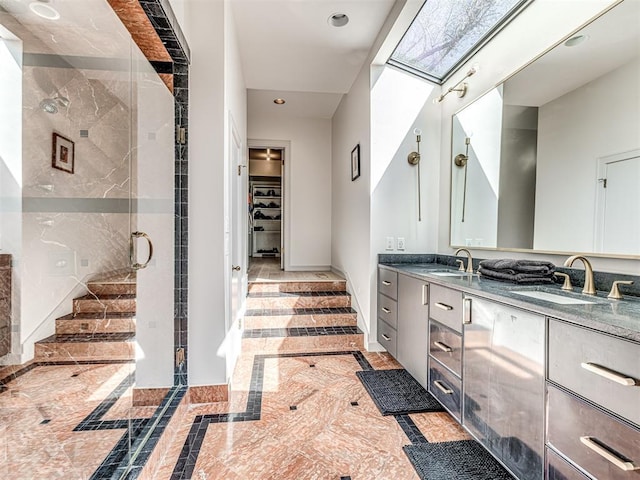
point(289, 416)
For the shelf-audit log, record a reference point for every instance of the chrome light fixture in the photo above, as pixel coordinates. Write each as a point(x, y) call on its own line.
point(414, 159)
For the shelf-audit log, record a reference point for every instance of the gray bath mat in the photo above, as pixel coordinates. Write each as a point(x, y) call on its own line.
point(396, 392)
point(459, 460)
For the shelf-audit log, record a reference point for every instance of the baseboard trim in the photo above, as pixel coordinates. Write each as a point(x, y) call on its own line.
point(148, 397)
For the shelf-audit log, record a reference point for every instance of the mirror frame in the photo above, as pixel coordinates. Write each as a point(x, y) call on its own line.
point(497, 84)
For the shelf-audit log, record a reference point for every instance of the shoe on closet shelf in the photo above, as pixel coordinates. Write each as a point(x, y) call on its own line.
point(258, 193)
point(260, 205)
point(273, 205)
point(271, 193)
point(259, 215)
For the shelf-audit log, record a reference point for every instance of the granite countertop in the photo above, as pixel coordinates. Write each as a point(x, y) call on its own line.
point(620, 318)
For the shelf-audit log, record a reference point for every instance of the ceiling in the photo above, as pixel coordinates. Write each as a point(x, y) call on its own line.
point(288, 46)
point(612, 41)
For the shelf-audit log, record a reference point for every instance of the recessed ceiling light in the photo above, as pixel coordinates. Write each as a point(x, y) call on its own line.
point(279, 101)
point(43, 10)
point(338, 20)
point(577, 40)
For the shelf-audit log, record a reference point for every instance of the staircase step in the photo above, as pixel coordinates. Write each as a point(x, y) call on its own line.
point(105, 303)
point(273, 287)
point(106, 288)
point(301, 320)
point(294, 340)
point(102, 346)
point(280, 300)
point(96, 322)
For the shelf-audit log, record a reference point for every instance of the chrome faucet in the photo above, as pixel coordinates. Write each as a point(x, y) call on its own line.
point(589, 288)
point(469, 260)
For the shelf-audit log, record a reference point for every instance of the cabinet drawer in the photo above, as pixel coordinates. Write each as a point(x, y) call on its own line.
point(445, 306)
point(445, 387)
point(589, 363)
point(388, 310)
point(446, 346)
point(557, 468)
point(388, 283)
point(387, 337)
point(594, 440)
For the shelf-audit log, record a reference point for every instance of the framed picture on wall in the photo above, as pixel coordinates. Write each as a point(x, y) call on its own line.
point(355, 162)
point(63, 153)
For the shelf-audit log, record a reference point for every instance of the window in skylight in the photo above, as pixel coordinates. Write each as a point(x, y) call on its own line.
point(446, 32)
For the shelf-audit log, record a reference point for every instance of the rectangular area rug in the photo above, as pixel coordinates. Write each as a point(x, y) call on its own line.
point(459, 460)
point(396, 392)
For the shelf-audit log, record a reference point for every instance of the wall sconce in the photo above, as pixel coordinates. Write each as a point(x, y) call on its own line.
point(461, 87)
point(414, 159)
point(461, 161)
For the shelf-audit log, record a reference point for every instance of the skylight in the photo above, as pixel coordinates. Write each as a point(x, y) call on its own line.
point(446, 32)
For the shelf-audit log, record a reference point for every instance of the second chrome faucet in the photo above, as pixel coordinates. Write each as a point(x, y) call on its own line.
point(469, 260)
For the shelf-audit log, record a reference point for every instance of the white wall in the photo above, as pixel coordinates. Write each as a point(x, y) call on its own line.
point(216, 94)
point(350, 201)
point(307, 168)
point(571, 138)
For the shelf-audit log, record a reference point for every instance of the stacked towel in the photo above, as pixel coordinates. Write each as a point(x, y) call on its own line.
point(518, 271)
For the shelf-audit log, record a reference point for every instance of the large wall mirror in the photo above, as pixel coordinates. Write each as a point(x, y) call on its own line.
point(550, 159)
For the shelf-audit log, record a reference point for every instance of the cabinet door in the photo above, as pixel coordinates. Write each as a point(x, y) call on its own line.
point(503, 383)
point(413, 327)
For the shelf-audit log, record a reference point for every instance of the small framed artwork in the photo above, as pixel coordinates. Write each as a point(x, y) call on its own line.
point(355, 162)
point(63, 153)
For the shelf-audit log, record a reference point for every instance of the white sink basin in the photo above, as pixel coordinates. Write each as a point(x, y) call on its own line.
point(451, 274)
point(447, 274)
point(552, 297)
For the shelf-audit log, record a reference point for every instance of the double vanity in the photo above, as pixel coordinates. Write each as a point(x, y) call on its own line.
point(547, 380)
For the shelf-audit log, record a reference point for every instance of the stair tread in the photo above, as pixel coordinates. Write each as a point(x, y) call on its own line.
point(89, 338)
point(301, 331)
point(98, 316)
point(298, 294)
point(263, 312)
point(123, 296)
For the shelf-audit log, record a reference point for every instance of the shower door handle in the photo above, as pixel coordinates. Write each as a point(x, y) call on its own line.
point(132, 250)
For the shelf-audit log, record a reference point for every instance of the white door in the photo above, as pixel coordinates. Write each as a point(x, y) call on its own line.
point(619, 207)
point(238, 208)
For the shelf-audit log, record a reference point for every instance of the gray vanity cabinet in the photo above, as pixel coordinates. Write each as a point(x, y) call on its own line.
point(594, 382)
point(503, 383)
point(413, 326)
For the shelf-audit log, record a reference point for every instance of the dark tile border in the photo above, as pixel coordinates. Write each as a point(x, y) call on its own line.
point(265, 312)
point(300, 332)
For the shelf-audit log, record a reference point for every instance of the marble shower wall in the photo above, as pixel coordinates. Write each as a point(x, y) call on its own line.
point(75, 226)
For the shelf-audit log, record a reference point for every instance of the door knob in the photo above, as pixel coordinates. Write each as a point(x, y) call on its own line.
point(236, 268)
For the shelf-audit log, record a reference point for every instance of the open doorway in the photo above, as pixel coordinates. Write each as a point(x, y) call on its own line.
point(266, 211)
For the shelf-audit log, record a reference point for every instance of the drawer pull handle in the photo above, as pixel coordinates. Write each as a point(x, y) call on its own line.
point(444, 306)
point(608, 455)
point(387, 338)
point(386, 310)
point(609, 374)
point(384, 282)
point(443, 347)
point(442, 387)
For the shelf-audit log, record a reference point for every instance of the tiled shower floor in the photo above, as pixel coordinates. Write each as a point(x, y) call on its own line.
point(40, 409)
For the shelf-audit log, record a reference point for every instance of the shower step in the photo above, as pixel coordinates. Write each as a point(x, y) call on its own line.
point(105, 304)
point(102, 346)
point(113, 284)
point(96, 322)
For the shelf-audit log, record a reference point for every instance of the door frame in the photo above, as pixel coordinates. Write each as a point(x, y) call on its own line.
point(285, 227)
point(601, 193)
